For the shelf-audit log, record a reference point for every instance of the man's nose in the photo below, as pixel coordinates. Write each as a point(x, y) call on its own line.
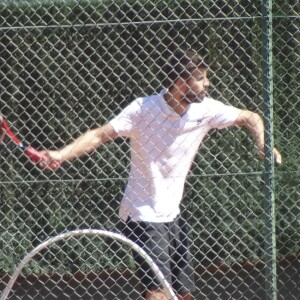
point(206, 83)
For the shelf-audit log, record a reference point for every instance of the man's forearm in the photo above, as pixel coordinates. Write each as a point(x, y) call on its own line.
point(84, 144)
point(254, 124)
point(256, 127)
point(87, 143)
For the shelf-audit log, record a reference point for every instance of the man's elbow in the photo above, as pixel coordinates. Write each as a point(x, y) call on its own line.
point(248, 118)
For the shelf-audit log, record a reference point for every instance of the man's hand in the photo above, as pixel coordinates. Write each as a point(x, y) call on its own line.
point(276, 153)
point(277, 157)
point(254, 123)
point(51, 160)
point(2, 134)
point(2, 131)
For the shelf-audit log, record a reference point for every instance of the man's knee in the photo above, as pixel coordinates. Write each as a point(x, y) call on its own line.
point(157, 294)
point(162, 295)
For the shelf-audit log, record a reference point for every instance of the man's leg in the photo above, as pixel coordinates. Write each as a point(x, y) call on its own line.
point(153, 238)
point(184, 297)
point(156, 295)
point(162, 295)
point(182, 271)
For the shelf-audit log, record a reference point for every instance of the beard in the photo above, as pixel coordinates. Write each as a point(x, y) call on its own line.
point(191, 96)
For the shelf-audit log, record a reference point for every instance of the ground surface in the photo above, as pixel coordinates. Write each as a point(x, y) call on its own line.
point(212, 284)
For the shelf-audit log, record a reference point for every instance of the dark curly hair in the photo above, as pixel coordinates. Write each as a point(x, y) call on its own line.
point(181, 65)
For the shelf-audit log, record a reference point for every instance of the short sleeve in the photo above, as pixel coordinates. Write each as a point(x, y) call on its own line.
point(224, 116)
point(125, 123)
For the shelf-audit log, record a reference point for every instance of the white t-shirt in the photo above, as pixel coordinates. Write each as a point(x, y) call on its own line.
point(163, 146)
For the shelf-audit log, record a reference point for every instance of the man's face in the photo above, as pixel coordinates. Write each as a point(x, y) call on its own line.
point(197, 85)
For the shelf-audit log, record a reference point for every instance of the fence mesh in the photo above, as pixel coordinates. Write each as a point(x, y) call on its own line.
point(67, 66)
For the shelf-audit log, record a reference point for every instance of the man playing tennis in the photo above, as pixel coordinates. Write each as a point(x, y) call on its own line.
point(165, 131)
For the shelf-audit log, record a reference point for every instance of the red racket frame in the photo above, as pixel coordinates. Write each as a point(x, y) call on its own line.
point(33, 154)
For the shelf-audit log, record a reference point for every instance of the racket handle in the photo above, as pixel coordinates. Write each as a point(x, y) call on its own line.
point(33, 154)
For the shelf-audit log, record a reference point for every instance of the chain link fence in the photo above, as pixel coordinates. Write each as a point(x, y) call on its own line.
point(67, 66)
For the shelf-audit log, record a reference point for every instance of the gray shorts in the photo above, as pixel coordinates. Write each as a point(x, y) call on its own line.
point(168, 246)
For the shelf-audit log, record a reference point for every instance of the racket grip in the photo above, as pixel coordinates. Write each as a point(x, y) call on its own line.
point(33, 154)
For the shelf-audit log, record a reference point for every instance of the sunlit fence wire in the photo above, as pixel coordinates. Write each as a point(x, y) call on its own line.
point(67, 66)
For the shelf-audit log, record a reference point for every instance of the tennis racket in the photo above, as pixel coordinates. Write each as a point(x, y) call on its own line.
point(85, 232)
point(33, 154)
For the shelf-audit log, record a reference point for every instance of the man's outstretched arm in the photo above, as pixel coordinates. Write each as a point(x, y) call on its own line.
point(254, 124)
point(84, 144)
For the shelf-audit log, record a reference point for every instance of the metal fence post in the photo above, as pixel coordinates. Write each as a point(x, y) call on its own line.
point(269, 201)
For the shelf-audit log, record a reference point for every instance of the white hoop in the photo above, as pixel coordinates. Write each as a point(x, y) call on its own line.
point(79, 232)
